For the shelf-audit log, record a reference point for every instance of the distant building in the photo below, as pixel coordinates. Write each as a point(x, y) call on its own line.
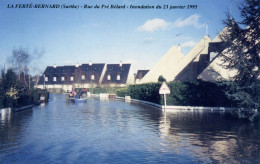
point(91, 75)
point(214, 70)
point(117, 75)
point(166, 66)
point(202, 62)
point(140, 74)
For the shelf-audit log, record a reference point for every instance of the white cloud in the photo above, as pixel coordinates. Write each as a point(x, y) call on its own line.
point(189, 44)
point(157, 24)
point(192, 20)
point(154, 25)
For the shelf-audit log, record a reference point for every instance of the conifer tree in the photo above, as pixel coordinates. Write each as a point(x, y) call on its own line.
point(242, 54)
point(161, 79)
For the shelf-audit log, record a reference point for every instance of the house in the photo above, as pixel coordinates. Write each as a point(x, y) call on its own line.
point(165, 66)
point(214, 70)
point(174, 66)
point(91, 75)
point(140, 74)
point(117, 75)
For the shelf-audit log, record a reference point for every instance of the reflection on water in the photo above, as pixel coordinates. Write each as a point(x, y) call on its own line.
point(212, 136)
point(102, 131)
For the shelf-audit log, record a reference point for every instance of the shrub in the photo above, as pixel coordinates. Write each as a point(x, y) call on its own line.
point(37, 93)
point(99, 90)
point(194, 93)
point(122, 92)
point(161, 79)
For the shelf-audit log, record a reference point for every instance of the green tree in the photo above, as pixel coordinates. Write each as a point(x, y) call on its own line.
point(242, 54)
point(8, 88)
point(161, 79)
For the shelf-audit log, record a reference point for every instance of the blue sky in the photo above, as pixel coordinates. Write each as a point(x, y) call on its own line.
point(140, 37)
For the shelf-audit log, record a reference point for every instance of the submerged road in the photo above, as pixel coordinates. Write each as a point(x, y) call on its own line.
point(102, 131)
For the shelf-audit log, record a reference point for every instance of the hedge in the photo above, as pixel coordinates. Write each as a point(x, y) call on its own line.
point(32, 97)
point(98, 90)
point(194, 93)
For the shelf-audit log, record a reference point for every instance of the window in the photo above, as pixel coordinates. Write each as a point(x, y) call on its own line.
point(46, 79)
point(83, 77)
point(92, 77)
point(54, 78)
point(62, 78)
point(71, 78)
point(118, 77)
point(108, 77)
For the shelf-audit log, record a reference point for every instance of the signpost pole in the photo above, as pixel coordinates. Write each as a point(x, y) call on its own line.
point(164, 102)
point(164, 89)
point(164, 108)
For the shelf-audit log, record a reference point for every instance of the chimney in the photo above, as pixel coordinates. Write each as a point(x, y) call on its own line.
point(54, 66)
point(77, 65)
point(179, 47)
point(120, 64)
point(90, 63)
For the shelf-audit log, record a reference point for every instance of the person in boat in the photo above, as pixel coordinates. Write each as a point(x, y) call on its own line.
point(71, 95)
point(77, 95)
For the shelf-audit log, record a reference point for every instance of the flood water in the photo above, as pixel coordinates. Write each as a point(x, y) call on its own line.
point(102, 131)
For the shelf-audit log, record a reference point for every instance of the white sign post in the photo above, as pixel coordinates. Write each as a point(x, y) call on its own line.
point(164, 89)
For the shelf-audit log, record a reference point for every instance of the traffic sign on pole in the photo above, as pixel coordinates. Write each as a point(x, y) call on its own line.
point(164, 89)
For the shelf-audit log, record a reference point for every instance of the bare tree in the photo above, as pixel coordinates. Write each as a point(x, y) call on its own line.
point(19, 61)
point(36, 62)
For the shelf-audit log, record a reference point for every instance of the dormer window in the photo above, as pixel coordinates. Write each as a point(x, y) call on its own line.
point(92, 77)
point(118, 77)
point(46, 79)
point(109, 77)
point(54, 78)
point(62, 78)
point(83, 77)
point(71, 78)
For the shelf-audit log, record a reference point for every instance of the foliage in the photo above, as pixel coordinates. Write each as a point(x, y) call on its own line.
point(122, 92)
point(242, 55)
point(161, 79)
point(14, 94)
point(37, 93)
point(147, 92)
point(99, 90)
point(8, 88)
point(196, 93)
point(22, 62)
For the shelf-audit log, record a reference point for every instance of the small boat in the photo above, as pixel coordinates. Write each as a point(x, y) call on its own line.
point(80, 100)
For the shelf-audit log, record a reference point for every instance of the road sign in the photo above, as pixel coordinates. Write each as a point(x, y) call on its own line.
point(164, 89)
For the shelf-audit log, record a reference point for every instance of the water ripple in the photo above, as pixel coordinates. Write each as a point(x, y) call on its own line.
point(119, 132)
